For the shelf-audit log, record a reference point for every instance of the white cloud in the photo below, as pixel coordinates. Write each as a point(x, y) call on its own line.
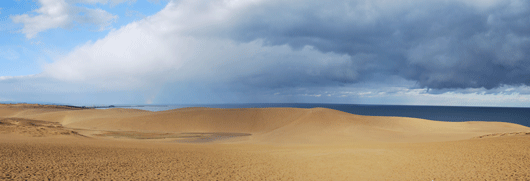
point(111, 2)
point(52, 14)
point(9, 54)
point(3, 78)
point(158, 49)
point(310, 95)
point(154, 1)
point(362, 93)
point(131, 13)
point(61, 14)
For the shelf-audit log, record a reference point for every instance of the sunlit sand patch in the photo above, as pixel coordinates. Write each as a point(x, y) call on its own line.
point(179, 137)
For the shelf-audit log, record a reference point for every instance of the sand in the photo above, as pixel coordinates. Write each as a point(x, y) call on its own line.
point(64, 143)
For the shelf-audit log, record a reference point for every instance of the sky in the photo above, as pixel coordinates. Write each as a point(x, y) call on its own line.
point(392, 52)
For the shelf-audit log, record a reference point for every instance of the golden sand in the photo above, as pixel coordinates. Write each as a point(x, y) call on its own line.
point(65, 143)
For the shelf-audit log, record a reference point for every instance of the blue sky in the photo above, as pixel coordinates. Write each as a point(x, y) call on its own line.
point(25, 56)
point(437, 52)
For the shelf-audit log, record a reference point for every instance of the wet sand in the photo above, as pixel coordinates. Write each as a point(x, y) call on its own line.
point(253, 144)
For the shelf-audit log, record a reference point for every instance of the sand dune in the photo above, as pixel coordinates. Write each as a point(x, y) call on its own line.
point(276, 125)
point(54, 142)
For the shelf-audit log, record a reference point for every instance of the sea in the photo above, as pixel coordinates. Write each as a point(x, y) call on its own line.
point(439, 113)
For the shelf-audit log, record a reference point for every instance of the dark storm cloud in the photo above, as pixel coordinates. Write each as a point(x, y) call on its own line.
point(302, 73)
point(439, 44)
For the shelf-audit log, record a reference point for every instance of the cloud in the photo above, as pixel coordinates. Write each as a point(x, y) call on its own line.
point(154, 60)
point(131, 13)
point(111, 2)
point(63, 14)
point(239, 49)
point(9, 54)
point(443, 44)
point(439, 44)
point(158, 49)
point(154, 1)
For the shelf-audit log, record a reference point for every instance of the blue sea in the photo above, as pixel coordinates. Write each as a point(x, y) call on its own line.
point(440, 113)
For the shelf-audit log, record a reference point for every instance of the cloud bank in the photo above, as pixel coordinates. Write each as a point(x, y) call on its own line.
point(439, 44)
point(243, 47)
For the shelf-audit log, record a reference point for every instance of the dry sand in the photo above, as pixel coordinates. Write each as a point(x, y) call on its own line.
point(65, 143)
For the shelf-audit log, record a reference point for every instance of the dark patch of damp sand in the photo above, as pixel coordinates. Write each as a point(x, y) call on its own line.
point(189, 137)
point(211, 137)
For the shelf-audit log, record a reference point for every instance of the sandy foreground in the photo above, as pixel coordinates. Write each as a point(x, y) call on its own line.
point(65, 143)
